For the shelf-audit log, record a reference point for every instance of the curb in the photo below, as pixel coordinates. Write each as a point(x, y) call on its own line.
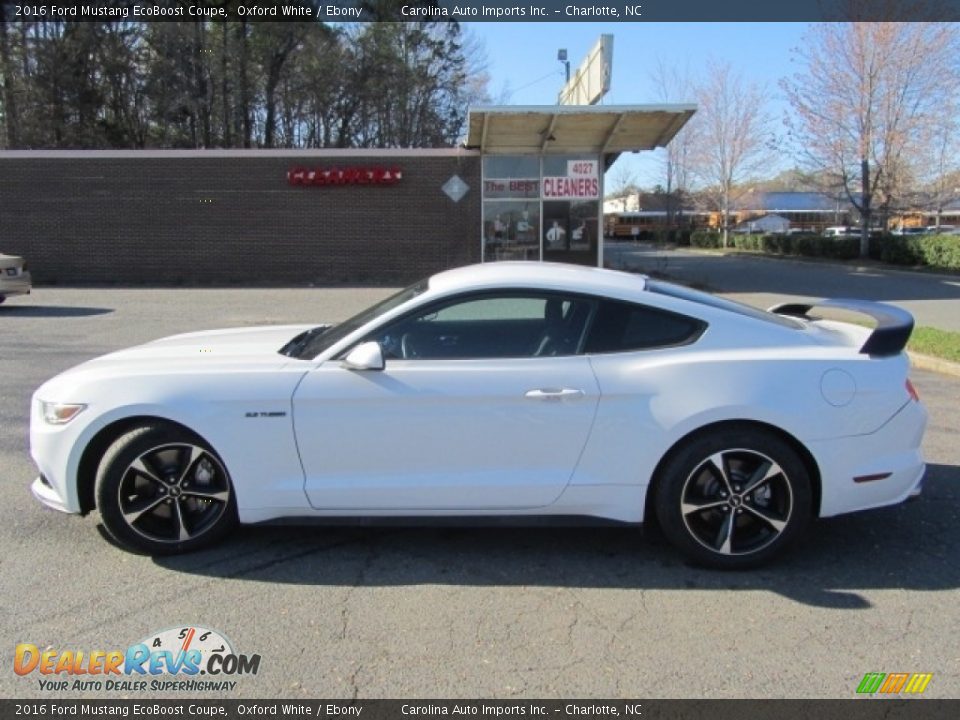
point(928, 362)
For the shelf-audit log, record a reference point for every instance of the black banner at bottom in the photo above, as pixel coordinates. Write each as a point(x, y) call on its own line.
point(857, 709)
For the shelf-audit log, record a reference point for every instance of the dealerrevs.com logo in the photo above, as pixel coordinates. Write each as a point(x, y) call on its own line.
point(190, 658)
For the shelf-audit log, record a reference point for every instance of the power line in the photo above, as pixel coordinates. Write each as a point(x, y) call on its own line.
point(534, 82)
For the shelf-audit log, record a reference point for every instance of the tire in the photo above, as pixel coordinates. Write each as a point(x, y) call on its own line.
point(733, 498)
point(161, 490)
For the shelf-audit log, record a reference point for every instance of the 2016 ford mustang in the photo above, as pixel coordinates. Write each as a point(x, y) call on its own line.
point(508, 389)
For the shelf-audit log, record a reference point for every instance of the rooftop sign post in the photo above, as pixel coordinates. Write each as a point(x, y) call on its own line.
point(591, 81)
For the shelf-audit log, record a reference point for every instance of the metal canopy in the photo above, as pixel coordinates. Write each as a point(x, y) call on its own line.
point(573, 129)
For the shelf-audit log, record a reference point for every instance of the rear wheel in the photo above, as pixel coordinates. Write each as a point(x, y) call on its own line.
point(734, 498)
point(162, 490)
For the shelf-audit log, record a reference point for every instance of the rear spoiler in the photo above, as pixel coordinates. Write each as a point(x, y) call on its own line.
point(894, 324)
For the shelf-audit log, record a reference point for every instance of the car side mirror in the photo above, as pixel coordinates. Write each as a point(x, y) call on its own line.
point(365, 356)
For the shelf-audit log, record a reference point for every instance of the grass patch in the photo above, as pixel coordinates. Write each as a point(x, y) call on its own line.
point(943, 344)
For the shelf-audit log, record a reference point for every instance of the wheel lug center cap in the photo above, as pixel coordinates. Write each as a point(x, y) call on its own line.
point(736, 500)
point(175, 491)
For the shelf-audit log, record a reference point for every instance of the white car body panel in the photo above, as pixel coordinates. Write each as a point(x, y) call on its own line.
point(191, 379)
point(454, 434)
point(311, 438)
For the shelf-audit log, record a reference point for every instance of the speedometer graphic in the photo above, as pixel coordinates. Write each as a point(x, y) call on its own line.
point(179, 641)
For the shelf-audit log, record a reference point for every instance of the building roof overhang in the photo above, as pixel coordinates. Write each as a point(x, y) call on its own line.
point(573, 129)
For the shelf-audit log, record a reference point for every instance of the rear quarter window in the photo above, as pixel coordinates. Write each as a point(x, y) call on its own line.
point(622, 326)
point(691, 295)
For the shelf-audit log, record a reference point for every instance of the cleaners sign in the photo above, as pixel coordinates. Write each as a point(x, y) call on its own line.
point(582, 182)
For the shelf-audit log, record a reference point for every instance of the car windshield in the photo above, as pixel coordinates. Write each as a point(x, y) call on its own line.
point(308, 345)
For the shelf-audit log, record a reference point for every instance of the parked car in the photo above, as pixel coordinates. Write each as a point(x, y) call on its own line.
point(14, 277)
point(909, 231)
point(941, 230)
point(499, 390)
point(841, 231)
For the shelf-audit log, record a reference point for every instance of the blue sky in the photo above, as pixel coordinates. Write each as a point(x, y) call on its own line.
point(520, 55)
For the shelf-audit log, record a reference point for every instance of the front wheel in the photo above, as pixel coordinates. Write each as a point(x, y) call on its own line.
point(161, 490)
point(734, 498)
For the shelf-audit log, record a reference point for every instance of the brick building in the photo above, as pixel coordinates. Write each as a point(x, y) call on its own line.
point(527, 185)
point(231, 217)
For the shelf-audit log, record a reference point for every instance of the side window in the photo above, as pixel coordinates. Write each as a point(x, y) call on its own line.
point(623, 326)
point(490, 309)
point(512, 325)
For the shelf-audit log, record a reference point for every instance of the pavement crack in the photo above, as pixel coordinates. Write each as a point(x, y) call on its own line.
point(358, 581)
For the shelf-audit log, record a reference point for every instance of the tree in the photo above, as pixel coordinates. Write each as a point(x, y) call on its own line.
point(415, 83)
point(864, 99)
point(276, 43)
point(202, 84)
point(621, 182)
point(732, 136)
point(8, 101)
point(942, 163)
point(673, 85)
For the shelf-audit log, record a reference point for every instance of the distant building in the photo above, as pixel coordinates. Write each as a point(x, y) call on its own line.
point(810, 211)
point(923, 213)
point(773, 212)
point(765, 224)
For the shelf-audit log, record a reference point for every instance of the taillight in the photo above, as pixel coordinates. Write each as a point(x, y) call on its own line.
point(912, 391)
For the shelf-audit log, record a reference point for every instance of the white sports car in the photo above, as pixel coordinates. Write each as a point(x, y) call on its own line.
point(507, 389)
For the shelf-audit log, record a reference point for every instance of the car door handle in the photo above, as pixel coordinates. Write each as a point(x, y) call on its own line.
point(553, 393)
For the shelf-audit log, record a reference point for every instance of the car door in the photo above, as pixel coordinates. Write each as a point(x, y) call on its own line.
point(482, 404)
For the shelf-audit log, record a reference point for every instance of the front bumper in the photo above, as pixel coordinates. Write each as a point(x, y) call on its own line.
point(55, 450)
point(45, 493)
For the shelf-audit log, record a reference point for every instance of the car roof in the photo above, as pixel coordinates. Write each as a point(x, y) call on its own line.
point(558, 276)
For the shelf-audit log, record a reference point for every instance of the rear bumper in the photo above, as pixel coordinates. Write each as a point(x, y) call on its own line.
point(885, 467)
point(19, 285)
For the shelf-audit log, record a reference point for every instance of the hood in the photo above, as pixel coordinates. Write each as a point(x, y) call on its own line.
point(236, 342)
point(248, 346)
point(210, 352)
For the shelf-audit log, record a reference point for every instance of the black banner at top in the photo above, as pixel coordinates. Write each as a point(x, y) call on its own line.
point(586, 709)
point(482, 10)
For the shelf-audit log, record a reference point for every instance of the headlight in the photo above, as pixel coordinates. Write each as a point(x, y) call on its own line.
point(59, 413)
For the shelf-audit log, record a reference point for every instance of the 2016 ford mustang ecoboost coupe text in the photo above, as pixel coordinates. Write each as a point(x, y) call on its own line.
point(508, 389)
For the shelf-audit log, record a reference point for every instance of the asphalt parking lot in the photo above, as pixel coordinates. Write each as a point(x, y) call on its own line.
point(429, 613)
point(764, 280)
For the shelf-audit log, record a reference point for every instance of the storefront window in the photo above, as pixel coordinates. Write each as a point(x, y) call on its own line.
point(570, 231)
point(511, 230)
point(541, 208)
point(511, 208)
point(511, 177)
